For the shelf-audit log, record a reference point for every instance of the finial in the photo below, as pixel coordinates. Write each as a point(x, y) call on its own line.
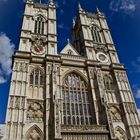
point(79, 5)
point(68, 41)
point(73, 22)
point(40, 2)
point(98, 11)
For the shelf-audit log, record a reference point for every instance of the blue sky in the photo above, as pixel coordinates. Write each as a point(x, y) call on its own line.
point(123, 18)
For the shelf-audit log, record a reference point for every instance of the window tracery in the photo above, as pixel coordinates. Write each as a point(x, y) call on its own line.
point(110, 89)
point(76, 101)
point(108, 82)
point(37, 78)
point(96, 34)
point(39, 25)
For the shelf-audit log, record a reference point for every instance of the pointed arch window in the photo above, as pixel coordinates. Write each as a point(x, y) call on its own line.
point(37, 77)
point(77, 104)
point(39, 25)
point(96, 34)
point(108, 82)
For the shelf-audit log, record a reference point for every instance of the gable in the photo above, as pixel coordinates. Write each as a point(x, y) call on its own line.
point(68, 49)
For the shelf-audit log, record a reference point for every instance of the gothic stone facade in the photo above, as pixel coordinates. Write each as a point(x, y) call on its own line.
point(82, 93)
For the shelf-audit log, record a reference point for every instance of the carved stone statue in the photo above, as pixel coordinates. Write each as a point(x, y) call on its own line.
point(34, 135)
point(115, 113)
point(35, 111)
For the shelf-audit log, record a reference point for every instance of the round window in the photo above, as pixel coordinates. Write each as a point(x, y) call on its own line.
point(102, 57)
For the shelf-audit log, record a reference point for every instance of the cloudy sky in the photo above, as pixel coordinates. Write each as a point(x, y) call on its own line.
point(123, 17)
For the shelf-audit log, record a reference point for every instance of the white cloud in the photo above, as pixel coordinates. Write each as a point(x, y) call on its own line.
point(126, 6)
point(137, 95)
point(62, 26)
point(136, 64)
point(6, 52)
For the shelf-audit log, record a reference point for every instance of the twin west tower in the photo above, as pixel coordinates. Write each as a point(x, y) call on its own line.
point(81, 93)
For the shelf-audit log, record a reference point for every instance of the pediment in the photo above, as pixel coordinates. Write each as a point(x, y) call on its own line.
point(69, 49)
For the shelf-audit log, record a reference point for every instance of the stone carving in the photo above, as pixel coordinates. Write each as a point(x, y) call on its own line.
point(34, 135)
point(90, 128)
point(115, 113)
point(38, 45)
point(120, 134)
point(35, 111)
point(17, 102)
point(11, 102)
point(22, 103)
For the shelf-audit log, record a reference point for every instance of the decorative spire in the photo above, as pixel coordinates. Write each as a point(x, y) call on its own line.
point(98, 11)
point(73, 22)
point(68, 41)
point(79, 5)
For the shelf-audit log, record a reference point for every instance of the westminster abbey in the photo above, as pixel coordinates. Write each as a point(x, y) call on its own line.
point(81, 93)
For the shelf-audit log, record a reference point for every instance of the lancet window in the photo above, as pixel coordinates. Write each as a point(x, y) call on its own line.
point(110, 89)
point(39, 25)
point(108, 82)
point(76, 101)
point(96, 34)
point(37, 78)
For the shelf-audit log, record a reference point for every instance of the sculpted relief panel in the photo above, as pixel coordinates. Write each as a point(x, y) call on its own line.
point(35, 111)
point(115, 113)
point(120, 134)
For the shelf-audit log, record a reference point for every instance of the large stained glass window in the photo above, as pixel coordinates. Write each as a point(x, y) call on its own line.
point(76, 101)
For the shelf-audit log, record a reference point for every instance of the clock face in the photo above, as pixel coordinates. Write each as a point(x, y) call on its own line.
point(38, 47)
point(102, 57)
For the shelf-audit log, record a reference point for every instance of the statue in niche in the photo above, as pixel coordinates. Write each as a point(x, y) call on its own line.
point(115, 113)
point(34, 135)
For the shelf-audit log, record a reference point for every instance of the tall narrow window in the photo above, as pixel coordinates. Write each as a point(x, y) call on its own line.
point(39, 25)
point(96, 34)
point(77, 108)
point(70, 52)
point(108, 83)
point(36, 78)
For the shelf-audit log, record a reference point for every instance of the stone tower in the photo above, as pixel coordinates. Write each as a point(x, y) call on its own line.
point(82, 93)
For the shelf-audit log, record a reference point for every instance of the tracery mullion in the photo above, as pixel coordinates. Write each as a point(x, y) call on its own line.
point(74, 106)
point(39, 74)
point(65, 92)
point(87, 117)
point(82, 102)
point(33, 82)
point(69, 91)
point(78, 103)
point(37, 25)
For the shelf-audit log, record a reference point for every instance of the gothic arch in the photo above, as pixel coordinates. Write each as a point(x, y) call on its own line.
point(108, 82)
point(37, 15)
point(76, 72)
point(76, 104)
point(36, 76)
point(120, 133)
point(34, 133)
point(37, 67)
